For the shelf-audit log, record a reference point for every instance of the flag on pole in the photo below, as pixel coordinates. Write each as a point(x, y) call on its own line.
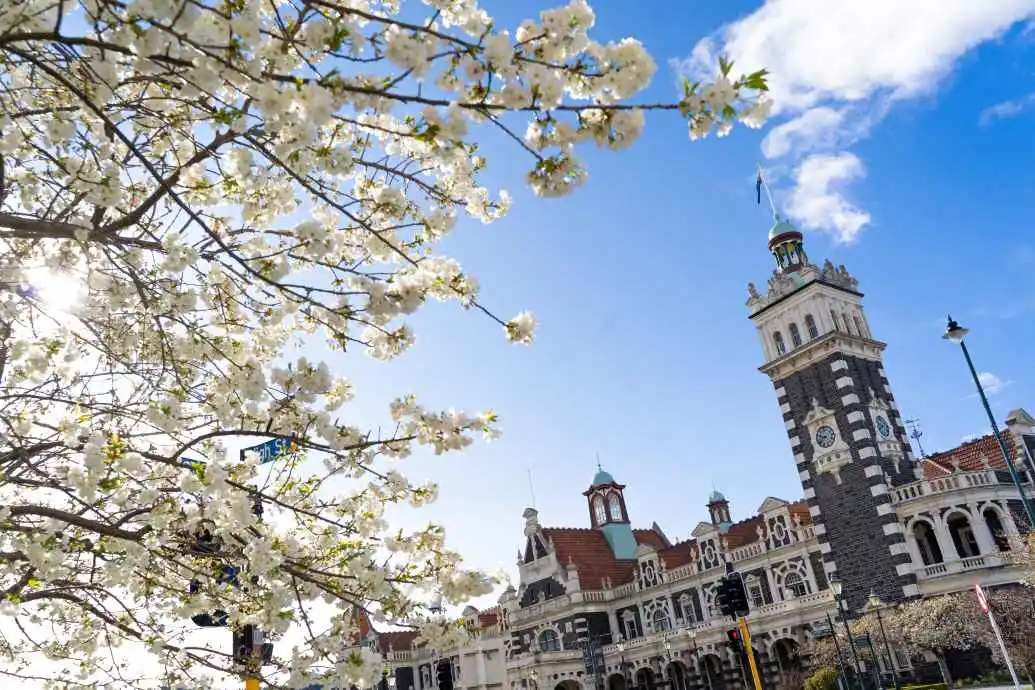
point(758, 186)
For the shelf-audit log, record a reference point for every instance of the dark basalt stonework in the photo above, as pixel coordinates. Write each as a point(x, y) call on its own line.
point(848, 511)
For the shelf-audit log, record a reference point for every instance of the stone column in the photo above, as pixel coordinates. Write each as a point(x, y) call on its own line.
point(986, 544)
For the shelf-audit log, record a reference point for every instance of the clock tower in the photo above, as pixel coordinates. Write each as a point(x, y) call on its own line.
point(844, 428)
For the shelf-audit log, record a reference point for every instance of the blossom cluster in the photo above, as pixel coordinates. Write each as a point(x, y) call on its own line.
point(188, 191)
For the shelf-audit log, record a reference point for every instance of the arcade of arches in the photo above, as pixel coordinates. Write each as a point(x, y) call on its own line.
point(713, 671)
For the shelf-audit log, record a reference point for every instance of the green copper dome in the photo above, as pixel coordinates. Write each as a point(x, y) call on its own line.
point(602, 477)
point(782, 227)
point(716, 497)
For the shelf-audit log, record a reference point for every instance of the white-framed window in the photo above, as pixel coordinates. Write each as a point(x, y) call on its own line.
point(660, 620)
point(795, 335)
point(810, 326)
point(686, 609)
point(794, 584)
point(549, 641)
point(599, 511)
point(781, 347)
point(629, 627)
point(754, 591)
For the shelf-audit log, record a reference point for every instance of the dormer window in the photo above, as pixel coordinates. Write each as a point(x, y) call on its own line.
point(599, 511)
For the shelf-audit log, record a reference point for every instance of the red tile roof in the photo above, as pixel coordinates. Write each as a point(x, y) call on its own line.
point(397, 640)
point(593, 557)
point(970, 456)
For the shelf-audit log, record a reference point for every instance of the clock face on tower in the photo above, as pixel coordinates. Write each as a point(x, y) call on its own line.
point(825, 436)
point(882, 426)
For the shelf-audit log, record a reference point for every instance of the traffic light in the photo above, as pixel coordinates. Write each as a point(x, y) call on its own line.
point(722, 596)
point(733, 637)
point(736, 596)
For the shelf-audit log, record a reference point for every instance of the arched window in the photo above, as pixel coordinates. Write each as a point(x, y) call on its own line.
point(858, 325)
point(833, 320)
point(794, 584)
point(599, 511)
point(549, 641)
point(660, 620)
point(848, 325)
point(781, 349)
point(795, 335)
point(810, 325)
point(995, 526)
point(927, 543)
point(962, 534)
point(629, 625)
point(615, 506)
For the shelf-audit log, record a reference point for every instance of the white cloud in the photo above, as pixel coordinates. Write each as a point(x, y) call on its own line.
point(817, 200)
point(991, 383)
point(1006, 109)
point(837, 66)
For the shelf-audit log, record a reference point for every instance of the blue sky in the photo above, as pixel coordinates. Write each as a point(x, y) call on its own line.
point(897, 157)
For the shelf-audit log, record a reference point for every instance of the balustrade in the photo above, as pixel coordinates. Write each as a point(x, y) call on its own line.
point(940, 485)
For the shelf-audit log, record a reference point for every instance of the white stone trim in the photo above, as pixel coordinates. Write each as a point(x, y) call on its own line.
point(872, 471)
point(814, 511)
point(850, 399)
point(843, 382)
point(911, 591)
point(885, 509)
point(799, 457)
point(819, 529)
point(892, 528)
point(785, 408)
point(790, 424)
point(824, 547)
point(860, 434)
point(809, 493)
point(899, 548)
point(879, 489)
point(804, 475)
point(838, 365)
point(855, 416)
point(867, 452)
point(781, 391)
point(904, 568)
point(795, 441)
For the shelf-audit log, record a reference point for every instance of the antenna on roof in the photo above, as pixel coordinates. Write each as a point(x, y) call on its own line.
point(915, 433)
point(599, 468)
point(531, 487)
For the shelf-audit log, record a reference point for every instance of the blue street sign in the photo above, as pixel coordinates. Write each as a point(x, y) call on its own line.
point(271, 450)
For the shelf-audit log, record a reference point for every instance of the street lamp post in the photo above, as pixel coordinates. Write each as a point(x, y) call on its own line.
point(876, 604)
point(692, 634)
point(836, 585)
point(621, 663)
point(956, 333)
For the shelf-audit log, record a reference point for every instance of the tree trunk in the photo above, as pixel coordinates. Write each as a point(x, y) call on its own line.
point(943, 666)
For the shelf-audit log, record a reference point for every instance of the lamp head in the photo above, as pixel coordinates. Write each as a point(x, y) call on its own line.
point(875, 601)
point(836, 585)
point(954, 332)
point(621, 647)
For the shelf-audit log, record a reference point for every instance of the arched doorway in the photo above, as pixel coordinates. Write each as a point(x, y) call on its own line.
point(616, 681)
point(711, 673)
point(568, 684)
point(677, 677)
point(645, 679)
point(927, 542)
point(785, 661)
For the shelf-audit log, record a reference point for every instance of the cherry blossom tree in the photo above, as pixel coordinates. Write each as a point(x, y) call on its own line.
point(1014, 609)
point(203, 183)
point(940, 624)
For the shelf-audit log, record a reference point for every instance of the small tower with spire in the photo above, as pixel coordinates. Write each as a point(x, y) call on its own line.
point(719, 510)
point(606, 501)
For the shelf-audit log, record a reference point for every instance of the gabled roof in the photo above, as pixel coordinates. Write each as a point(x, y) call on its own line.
point(970, 456)
point(589, 551)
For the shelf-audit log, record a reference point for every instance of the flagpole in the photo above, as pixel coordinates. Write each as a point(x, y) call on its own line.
point(768, 195)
